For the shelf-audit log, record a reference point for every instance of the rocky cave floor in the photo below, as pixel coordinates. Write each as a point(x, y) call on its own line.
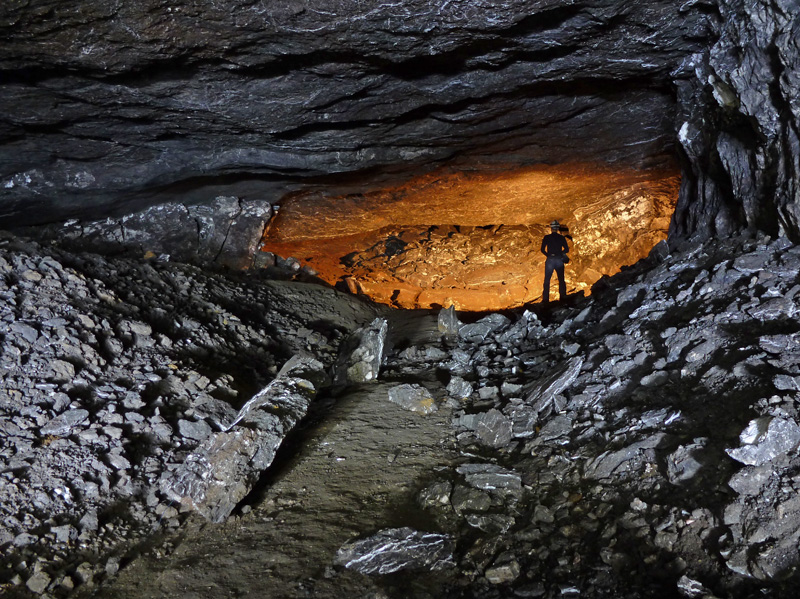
point(638, 443)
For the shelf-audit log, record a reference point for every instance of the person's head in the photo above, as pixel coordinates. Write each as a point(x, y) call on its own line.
point(555, 226)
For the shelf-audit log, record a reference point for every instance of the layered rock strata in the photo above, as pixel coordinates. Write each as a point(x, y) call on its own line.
point(107, 110)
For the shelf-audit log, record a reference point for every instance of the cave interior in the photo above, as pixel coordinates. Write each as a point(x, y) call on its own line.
point(174, 174)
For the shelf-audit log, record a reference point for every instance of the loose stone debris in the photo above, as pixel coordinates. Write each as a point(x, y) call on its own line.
point(124, 400)
point(415, 398)
point(639, 443)
point(397, 549)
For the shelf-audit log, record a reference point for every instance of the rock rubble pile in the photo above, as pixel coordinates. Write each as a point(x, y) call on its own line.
point(113, 372)
point(641, 442)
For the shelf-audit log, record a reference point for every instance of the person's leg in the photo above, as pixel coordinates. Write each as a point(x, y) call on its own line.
point(548, 273)
point(562, 284)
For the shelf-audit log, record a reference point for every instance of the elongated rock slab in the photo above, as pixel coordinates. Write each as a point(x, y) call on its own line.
point(223, 470)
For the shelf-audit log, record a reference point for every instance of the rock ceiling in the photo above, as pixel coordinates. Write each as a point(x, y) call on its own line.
point(109, 107)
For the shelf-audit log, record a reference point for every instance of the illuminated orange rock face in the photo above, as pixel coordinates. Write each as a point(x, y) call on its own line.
point(473, 240)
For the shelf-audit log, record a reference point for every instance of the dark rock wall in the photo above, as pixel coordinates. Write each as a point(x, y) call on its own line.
point(108, 109)
point(739, 123)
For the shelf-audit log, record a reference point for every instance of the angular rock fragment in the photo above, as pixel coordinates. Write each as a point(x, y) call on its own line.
point(468, 499)
point(414, 398)
point(458, 388)
point(556, 430)
point(492, 428)
point(396, 549)
point(435, 495)
point(494, 524)
point(490, 477)
point(751, 480)
point(448, 322)
point(485, 327)
point(361, 354)
point(624, 462)
point(195, 430)
point(690, 588)
point(685, 462)
point(779, 344)
point(764, 439)
point(38, 583)
point(503, 571)
point(219, 473)
point(541, 397)
point(63, 424)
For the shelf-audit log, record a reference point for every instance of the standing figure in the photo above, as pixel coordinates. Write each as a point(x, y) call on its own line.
point(555, 247)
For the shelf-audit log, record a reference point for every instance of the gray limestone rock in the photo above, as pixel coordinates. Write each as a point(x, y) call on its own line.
point(196, 430)
point(414, 398)
point(751, 480)
point(484, 328)
point(541, 398)
point(448, 322)
point(468, 499)
point(216, 476)
point(492, 478)
point(225, 231)
point(764, 439)
point(626, 462)
point(557, 429)
point(435, 495)
point(361, 355)
point(692, 589)
point(397, 549)
point(458, 388)
point(685, 462)
point(38, 582)
point(492, 428)
point(64, 424)
point(780, 344)
point(503, 572)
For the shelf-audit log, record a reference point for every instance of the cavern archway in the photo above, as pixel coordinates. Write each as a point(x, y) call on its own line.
point(472, 239)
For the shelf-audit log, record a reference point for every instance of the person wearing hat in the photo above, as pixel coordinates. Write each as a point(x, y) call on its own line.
point(555, 247)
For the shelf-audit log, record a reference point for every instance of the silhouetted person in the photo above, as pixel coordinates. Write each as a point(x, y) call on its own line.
point(555, 247)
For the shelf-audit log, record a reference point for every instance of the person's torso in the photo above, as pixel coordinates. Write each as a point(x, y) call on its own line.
point(554, 243)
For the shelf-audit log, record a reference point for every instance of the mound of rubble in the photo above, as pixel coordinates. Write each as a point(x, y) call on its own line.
point(112, 372)
point(640, 444)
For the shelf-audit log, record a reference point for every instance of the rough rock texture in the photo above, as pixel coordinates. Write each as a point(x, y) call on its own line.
point(105, 394)
point(108, 109)
point(397, 549)
point(641, 443)
point(739, 122)
point(223, 470)
point(362, 354)
point(225, 232)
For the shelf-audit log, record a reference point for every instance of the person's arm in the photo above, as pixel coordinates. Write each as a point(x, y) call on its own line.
point(565, 245)
point(544, 247)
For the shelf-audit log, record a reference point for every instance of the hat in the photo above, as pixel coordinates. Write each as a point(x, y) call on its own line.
point(555, 225)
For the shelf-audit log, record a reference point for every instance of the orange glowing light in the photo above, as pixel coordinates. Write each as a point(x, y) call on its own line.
point(473, 239)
